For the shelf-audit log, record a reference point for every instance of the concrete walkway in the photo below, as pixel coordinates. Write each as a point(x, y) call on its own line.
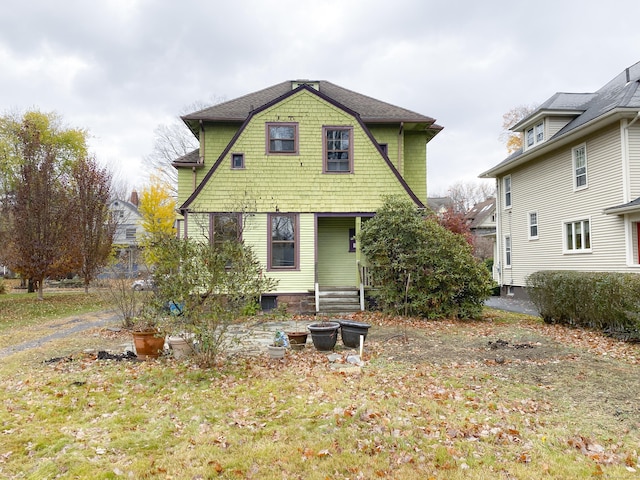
point(512, 305)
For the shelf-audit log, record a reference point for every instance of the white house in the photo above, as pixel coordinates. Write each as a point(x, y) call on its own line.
point(570, 198)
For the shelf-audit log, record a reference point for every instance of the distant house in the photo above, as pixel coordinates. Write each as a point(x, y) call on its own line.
point(294, 170)
point(439, 205)
point(570, 198)
point(482, 224)
point(128, 221)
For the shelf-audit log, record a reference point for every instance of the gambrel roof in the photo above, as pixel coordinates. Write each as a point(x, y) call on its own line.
point(619, 98)
point(244, 109)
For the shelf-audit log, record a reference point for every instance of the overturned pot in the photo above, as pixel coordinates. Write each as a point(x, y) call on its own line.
point(351, 332)
point(324, 335)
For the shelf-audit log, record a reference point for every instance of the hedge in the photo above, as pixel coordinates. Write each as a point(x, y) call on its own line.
point(602, 300)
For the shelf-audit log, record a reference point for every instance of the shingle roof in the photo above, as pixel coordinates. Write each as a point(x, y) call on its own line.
point(369, 109)
point(480, 212)
point(191, 158)
point(622, 92)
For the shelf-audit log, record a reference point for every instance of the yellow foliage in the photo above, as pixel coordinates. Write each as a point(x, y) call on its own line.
point(158, 211)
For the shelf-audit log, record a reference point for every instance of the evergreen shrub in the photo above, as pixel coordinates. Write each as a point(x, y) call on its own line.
point(603, 300)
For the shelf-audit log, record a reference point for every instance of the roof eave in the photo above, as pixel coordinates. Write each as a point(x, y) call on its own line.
point(613, 115)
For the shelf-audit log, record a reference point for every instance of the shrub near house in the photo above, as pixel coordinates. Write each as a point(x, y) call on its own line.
point(421, 268)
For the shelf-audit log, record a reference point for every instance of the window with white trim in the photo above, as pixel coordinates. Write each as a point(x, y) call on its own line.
point(506, 185)
point(577, 236)
point(507, 251)
point(533, 225)
point(579, 155)
point(534, 135)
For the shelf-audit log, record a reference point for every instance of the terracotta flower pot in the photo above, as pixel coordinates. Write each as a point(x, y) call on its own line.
point(148, 344)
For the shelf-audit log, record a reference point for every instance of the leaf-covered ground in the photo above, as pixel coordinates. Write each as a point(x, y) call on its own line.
point(507, 397)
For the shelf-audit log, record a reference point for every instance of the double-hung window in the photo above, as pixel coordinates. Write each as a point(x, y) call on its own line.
point(282, 138)
point(580, 167)
point(283, 241)
point(338, 149)
point(577, 236)
point(533, 225)
point(507, 251)
point(506, 185)
point(535, 135)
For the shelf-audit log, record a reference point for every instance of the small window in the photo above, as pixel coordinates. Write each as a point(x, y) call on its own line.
point(282, 138)
point(352, 240)
point(507, 251)
point(533, 225)
point(577, 236)
point(237, 161)
point(507, 191)
point(530, 138)
point(385, 148)
point(338, 149)
point(580, 167)
point(130, 234)
point(539, 132)
point(283, 245)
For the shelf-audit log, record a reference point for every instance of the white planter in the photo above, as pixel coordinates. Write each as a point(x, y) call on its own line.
point(180, 347)
point(276, 352)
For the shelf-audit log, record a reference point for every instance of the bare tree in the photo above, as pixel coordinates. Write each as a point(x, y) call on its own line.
point(465, 195)
point(173, 141)
point(96, 228)
point(513, 140)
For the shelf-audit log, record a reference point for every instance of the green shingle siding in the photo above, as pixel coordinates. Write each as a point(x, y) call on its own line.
point(295, 183)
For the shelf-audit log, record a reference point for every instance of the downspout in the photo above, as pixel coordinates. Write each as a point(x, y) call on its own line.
point(400, 144)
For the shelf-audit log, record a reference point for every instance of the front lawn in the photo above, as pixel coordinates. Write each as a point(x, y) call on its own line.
point(507, 397)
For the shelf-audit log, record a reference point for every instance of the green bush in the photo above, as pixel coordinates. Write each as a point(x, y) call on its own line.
point(601, 300)
point(419, 267)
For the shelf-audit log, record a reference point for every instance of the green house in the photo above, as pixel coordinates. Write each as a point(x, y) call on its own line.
point(294, 170)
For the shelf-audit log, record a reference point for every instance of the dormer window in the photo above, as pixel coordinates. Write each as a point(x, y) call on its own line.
point(534, 135)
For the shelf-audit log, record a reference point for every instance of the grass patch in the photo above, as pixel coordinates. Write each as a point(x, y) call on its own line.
point(558, 413)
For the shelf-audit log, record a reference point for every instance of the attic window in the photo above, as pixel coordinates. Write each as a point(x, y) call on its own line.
point(282, 138)
point(535, 135)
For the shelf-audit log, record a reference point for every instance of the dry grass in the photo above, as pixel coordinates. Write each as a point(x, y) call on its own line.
point(404, 415)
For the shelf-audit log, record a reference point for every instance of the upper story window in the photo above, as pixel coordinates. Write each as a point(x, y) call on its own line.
point(338, 149)
point(130, 233)
point(580, 167)
point(237, 161)
point(506, 183)
point(534, 135)
point(577, 236)
point(282, 138)
point(533, 225)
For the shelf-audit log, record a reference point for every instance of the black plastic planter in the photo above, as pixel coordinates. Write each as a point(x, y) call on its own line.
point(351, 332)
point(324, 335)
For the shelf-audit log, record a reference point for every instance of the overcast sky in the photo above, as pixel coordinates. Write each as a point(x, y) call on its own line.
point(120, 68)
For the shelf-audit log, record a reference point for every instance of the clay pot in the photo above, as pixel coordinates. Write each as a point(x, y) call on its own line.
point(148, 345)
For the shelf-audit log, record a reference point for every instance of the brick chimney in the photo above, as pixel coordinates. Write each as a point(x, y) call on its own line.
point(134, 198)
